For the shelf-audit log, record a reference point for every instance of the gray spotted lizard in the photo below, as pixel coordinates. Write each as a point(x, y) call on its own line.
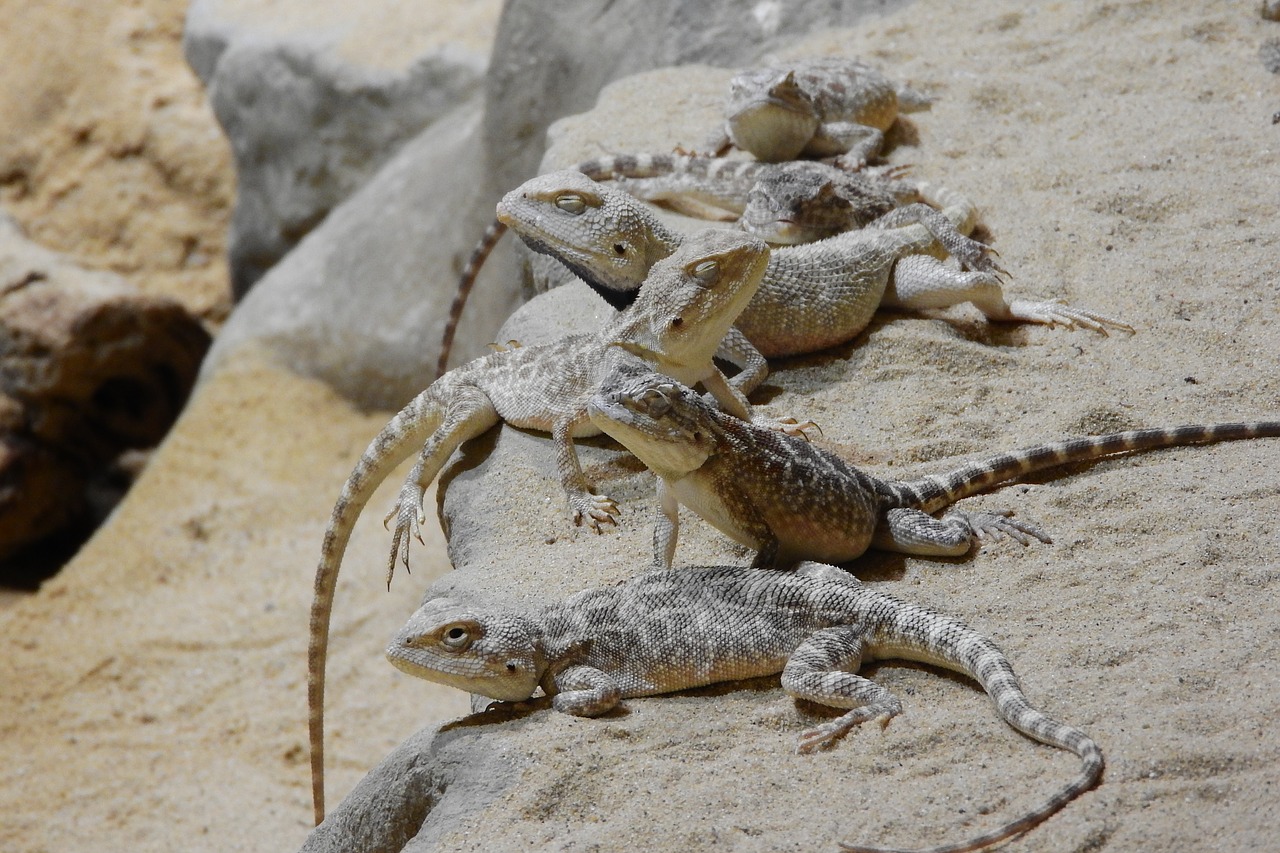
point(665, 631)
point(813, 296)
point(781, 203)
point(692, 298)
point(814, 108)
point(793, 501)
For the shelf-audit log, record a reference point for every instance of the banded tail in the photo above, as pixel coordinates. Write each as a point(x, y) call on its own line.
point(467, 281)
point(395, 443)
point(952, 643)
point(657, 165)
point(932, 493)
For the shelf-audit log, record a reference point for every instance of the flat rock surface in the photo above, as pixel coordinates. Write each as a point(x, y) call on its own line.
point(1144, 623)
point(1124, 158)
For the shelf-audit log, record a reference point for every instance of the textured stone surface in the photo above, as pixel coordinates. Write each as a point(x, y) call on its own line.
point(153, 693)
point(89, 367)
point(716, 767)
point(361, 303)
point(316, 97)
point(109, 152)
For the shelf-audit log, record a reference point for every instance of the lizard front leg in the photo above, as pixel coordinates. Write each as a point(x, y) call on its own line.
point(734, 402)
point(741, 353)
point(585, 691)
point(469, 413)
point(910, 531)
point(921, 281)
point(666, 527)
point(584, 503)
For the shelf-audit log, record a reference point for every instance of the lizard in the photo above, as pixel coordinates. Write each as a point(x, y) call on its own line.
point(664, 631)
point(781, 203)
point(692, 298)
point(820, 107)
point(813, 296)
point(791, 500)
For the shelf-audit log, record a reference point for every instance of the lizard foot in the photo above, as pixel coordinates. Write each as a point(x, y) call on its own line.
point(824, 736)
point(410, 516)
point(595, 510)
point(1058, 313)
point(789, 426)
point(977, 256)
point(997, 525)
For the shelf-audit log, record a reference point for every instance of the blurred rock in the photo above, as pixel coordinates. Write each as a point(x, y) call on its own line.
point(316, 97)
point(88, 368)
point(361, 303)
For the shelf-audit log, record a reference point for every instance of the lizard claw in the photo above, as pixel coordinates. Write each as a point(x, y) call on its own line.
point(997, 525)
point(787, 426)
point(825, 735)
point(1057, 313)
point(410, 516)
point(595, 510)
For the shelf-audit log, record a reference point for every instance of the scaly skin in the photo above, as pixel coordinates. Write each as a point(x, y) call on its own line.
point(667, 631)
point(821, 107)
point(813, 296)
point(675, 326)
point(782, 204)
point(793, 501)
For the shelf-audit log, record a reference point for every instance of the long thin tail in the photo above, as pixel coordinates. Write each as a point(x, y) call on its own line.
point(396, 442)
point(467, 281)
point(918, 633)
point(930, 494)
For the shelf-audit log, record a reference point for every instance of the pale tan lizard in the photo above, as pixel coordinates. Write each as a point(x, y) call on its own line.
point(692, 299)
point(667, 631)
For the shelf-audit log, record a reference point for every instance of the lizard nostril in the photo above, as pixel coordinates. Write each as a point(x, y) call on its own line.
point(619, 249)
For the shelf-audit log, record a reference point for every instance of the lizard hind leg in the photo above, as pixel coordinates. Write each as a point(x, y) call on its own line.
point(906, 530)
point(822, 670)
point(468, 414)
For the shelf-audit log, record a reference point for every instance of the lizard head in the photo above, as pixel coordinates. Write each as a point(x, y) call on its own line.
point(804, 200)
point(666, 425)
point(606, 237)
point(490, 652)
point(691, 298)
point(769, 114)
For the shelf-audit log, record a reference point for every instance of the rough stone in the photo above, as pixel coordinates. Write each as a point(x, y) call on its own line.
point(361, 302)
point(89, 367)
point(316, 97)
point(913, 389)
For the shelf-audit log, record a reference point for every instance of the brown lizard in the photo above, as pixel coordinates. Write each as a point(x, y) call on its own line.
point(666, 631)
point(692, 299)
point(793, 501)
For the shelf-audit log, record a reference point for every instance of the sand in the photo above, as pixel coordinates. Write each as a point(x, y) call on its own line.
point(1124, 159)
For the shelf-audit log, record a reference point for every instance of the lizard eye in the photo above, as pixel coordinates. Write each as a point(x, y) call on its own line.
point(571, 203)
point(706, 272)
point(456, 637)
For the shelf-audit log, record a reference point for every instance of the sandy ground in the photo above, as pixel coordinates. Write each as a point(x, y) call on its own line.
point(151, 697)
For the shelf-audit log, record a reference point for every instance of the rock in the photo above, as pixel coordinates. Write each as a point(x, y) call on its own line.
point(361, 302)
point(551, 57)
point(316, 97)
point(88, 368)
